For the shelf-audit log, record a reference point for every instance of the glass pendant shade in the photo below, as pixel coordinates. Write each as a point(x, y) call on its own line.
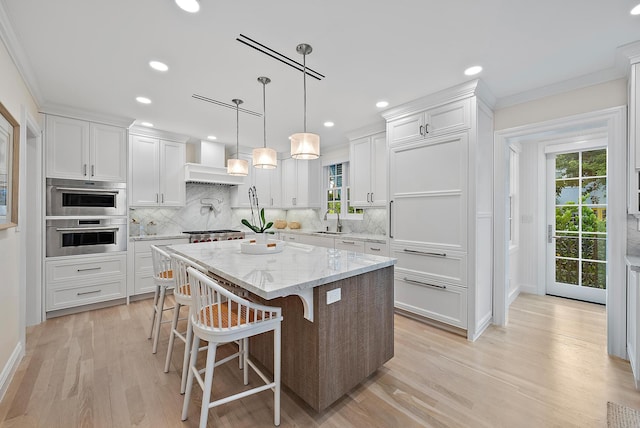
point(305, 145)
point(265, 158)
point(237, 167)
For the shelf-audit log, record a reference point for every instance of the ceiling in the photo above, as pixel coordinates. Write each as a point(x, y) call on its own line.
point(93, 56)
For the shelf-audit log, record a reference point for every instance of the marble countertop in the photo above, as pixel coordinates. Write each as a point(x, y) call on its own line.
point(156, 237)
point(382, 239)
point(297, 269)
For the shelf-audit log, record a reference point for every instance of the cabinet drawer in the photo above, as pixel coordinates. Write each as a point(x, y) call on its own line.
point(447, 305)
point(143, 261)
point(144, 282)
point(349, 244)
point(85, 268)
point(77, 295)
point(438, 265)
point(450, 117)
point(376, 249)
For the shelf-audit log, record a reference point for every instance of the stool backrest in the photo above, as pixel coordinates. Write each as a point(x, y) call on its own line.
point(179, 267)
point(219, 310)
point(161, 265)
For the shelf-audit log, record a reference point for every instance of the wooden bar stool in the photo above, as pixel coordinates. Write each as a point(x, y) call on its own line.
point(164, 279)
point(218, 317)
point(182, 295)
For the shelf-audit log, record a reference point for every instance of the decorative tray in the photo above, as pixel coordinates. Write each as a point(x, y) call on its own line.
point(268, 247)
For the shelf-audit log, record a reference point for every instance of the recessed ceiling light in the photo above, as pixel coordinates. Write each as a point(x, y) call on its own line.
point(143, 100)
point(147, 124)
point(472, 71)
point(329, 124)
point(212, 137)
point(191, 6)
point(382, 104)
point(157, 65)
point(636, 10)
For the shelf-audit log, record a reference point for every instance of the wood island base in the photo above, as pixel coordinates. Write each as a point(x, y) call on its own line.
point(347, 341)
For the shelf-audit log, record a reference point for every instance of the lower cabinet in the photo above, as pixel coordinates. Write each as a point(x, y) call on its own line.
point(81, 280)
point(633, 331)
point(339, 243)
point(376, 249)
point(143, 266)
point(349, 244)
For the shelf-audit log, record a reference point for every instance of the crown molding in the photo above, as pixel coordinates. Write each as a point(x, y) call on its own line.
point(158, 133)
point(75, 113)
point(455, 93)
point(18, 56)
point(365, 131)
point(627, 55)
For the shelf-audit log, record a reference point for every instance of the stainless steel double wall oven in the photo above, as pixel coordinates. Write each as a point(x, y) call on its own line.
point(85, 217)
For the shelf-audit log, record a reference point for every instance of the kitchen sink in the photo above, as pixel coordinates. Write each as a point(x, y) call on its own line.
point(327, 232)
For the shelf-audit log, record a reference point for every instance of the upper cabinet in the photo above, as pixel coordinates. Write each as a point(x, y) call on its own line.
point(450, 117)
point(368, 167)
point(157, 172)
point(634, 140)
point(300, 183)
point(77, 149)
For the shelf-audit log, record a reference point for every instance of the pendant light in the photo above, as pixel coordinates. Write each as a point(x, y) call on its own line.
point(305, 145)
point(264, 157)
point(237, 166)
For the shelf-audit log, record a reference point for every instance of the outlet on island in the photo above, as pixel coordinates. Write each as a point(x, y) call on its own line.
point(334, 296)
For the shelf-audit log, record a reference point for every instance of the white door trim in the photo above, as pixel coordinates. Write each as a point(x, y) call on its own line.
point(613, 122)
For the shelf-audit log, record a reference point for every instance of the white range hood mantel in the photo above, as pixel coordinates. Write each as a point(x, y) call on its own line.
point(198, 173)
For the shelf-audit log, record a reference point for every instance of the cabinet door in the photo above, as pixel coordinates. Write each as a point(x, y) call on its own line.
point(308, 184)
point(172, 184)
point(267, 187)
point(349, 244)
point(361, 170)
point(428, 186)
point(145, 172)
point(289, 183)
point(452, 117)
point(406, 129)
point(108, 153)
point(67, 148)
point(379, 158)
point(240, 193)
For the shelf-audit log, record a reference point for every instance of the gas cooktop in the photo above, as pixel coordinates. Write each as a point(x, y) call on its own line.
point(214, 235)
point(201, 232)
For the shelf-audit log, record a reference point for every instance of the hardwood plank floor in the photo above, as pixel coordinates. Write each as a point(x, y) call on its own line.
point(548, 368)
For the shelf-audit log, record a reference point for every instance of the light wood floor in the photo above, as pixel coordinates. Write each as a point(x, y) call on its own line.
point(548, 368)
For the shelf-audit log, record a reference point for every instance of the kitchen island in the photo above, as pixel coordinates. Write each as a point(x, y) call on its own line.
point(337, 307)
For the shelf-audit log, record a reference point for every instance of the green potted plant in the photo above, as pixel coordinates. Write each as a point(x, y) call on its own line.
point(258, 223)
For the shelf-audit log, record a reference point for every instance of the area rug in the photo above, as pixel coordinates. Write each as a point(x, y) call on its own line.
point(619, 416)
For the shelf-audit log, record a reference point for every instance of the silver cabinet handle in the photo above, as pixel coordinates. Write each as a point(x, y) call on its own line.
point(291, 238)
point(426, 129)
point(163, 198)
point(425, 253)
point(271, 201)
point(76, 189)
point(84, 169)
point(349, 242)
point(413, 281)
point(421, 130)
point(390, 211)
point(371, 197)
point(85, 229)
point(89, 292)
point(157, 198)
point(93, 170)
point(88, 269)
point(374, 249)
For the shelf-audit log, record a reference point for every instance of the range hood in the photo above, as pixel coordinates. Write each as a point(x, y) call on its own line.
point(207, 164)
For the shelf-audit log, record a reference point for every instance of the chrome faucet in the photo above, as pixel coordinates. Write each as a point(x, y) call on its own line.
point(338, 225)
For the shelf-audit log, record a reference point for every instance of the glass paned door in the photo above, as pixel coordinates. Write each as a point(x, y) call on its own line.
point(577, 225)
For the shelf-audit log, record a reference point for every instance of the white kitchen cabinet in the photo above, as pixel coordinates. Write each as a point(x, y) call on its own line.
point(430, 122)
point(157, 172)
point(143, 266)
point(633, 318)
point(80, 280)
point(267, 183)
point(342, 243)
point(376, 248)
point(318, 241)
point(368, 171)
point(633, 199)
point(441, 205)
point(78, 149)
point(300, 183)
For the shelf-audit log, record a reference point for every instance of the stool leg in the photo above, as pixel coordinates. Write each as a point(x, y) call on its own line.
point(160, 306)
point(208, 381)
point(155, 311)
point(244, 355)
point(276, 375)
point(185, 360)
point(190, 375)
point(172, 335)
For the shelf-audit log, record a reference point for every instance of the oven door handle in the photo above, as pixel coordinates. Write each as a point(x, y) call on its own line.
point(85, 229)
point(78, 189)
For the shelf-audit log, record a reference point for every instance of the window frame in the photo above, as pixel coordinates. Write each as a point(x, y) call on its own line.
point(345, 192)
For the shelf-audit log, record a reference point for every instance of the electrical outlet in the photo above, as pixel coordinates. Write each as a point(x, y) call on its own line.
point(334, 296)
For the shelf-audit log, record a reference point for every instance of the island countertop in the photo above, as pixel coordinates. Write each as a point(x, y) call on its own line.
point(296, 270)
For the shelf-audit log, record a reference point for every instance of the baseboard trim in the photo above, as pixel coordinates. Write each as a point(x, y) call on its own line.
point(513, 295)
point(10, 369)
point(438, 324)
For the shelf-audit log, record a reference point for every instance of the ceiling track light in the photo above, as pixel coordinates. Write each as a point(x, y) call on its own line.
point(305, 145)
point(237, 166)
point(264, 157)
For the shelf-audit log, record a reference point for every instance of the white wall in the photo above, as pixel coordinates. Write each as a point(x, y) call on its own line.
point(592, 98)
point(13, 94)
